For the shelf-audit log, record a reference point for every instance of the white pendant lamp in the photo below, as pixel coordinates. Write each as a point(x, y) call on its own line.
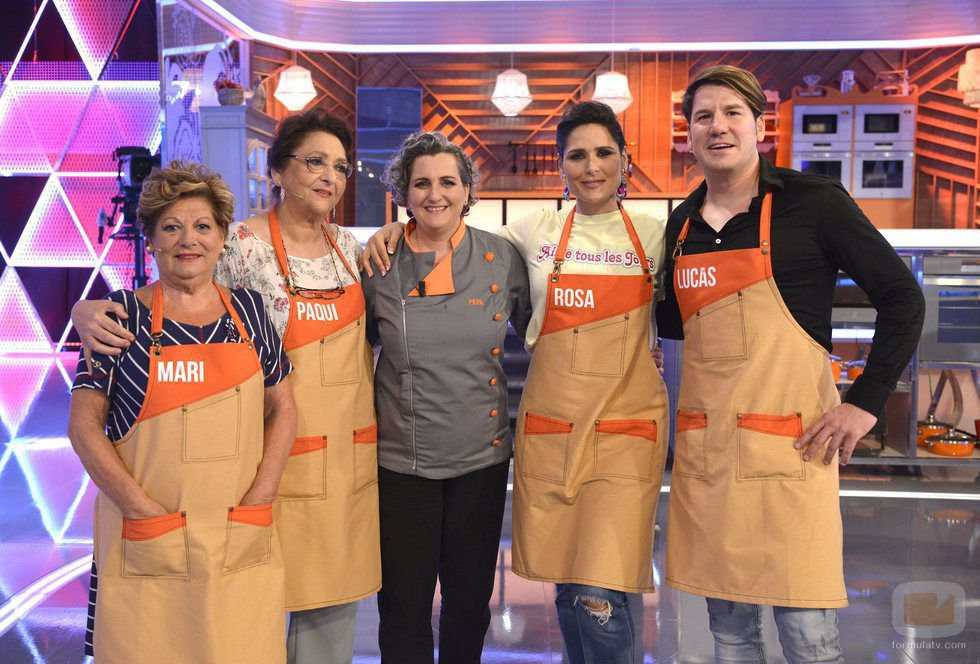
point(295, 89)
point(511, 94)
point(613, 89)
point(968, 79)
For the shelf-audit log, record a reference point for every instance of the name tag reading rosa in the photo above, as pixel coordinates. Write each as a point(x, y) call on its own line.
point(579, 298)
point(316, 311)
point(180, 371)
point(696, 277)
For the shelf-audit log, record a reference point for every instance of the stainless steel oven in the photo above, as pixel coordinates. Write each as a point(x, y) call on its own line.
point(883, 174)
point(951, 332)
point(835, 165)
point(830, 126)
point(884, 122)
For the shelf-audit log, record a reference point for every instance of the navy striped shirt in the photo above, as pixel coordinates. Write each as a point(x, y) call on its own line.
point(124, 377)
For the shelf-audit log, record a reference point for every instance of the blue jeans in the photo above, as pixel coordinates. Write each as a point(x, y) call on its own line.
point(806, 635)
point(601, 635)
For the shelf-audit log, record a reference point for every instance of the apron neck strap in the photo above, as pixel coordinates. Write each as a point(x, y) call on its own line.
point(765, 231)
point(275, 234)
point(566, 232)
point(156, 314)
point(336, 247)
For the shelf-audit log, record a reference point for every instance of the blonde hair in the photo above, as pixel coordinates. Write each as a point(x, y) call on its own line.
point(184, 179)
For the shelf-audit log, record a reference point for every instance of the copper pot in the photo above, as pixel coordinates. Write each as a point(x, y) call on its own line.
point(930, 427)
point(955, 443)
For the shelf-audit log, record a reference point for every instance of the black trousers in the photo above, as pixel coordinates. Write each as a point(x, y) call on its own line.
point(449, 528)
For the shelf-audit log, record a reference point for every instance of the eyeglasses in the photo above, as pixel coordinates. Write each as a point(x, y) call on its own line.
point(319, 164)
point(317, 293)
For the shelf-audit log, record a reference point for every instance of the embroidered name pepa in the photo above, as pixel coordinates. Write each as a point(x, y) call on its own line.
point(696, 277)
point(579, 298)
point(179, 371)
point(316, 311)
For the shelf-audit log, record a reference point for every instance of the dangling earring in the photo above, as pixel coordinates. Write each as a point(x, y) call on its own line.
point(565, 193)
point(282, 194)
point(621, 192)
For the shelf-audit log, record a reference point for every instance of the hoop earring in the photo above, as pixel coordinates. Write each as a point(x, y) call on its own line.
point(621, 192)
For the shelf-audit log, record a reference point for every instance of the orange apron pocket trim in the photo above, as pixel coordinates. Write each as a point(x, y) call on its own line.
point(691, 421)
point(639, 428)
point(144, 529)
point(253, 515)
point(367, 435)
point(306, 444)
point(776, 425)
point(538, 424)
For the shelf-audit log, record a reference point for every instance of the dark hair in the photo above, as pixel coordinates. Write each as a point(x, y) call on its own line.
point(588, 112)
point(184, 179)
point(421, 144)
point(293, 130)
point(741, 81)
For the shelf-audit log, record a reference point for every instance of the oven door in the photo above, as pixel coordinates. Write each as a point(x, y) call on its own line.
point(883, 175)
point(822, 124)
point(951, 332)
point(884, 122)
point(834, 165)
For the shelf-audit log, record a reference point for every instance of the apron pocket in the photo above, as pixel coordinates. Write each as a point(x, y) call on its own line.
point(722, 329)
point(365, 457)
point(306, 470)
point(690, 454)
point(598, 349)
point(211, 428)
point(156, 547)
point(765, 447)
point(248, 539)
point(341, 357)
point(543, 449)
point(625, 448)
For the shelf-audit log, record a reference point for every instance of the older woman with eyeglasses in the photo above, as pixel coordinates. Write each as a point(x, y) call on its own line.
point(305, 269)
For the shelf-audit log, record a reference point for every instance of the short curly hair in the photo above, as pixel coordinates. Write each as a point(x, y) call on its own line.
point(183, 179)
point(421, 144)
point(294, 129)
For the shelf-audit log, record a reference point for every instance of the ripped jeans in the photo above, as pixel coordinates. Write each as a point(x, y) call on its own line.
point(806, 635)
point(602, 635)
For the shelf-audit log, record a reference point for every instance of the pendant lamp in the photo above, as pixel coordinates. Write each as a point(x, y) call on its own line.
point(295, 89)
point(968, 79)
point(511, 94)
point(613, 89)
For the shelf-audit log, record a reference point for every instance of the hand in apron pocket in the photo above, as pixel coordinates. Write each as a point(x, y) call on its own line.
point(156, 547)
point(248, 538)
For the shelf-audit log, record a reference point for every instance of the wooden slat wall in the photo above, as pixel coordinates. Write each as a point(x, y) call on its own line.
point(456, 100)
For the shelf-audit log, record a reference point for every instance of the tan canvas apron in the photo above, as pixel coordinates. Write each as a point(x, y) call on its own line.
point(327, 510)
point(591, 433)
point(203, 583)
point(749, 520)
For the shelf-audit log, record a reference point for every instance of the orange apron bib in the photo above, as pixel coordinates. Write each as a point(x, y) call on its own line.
point(591, 433)
point(205, 582)
point(749, 520)
point(327, 509)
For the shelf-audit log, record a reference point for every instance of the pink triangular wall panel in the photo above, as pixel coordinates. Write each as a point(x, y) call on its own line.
point(52, 238)
point(20, 329)
point(94, 26)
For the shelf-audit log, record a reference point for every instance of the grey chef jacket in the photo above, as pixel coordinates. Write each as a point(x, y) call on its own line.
point(440, 390)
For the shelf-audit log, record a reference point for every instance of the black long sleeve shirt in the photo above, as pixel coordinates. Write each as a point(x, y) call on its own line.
point(817, 229)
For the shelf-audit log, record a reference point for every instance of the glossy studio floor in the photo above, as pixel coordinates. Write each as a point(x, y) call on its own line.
point(899, 528)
